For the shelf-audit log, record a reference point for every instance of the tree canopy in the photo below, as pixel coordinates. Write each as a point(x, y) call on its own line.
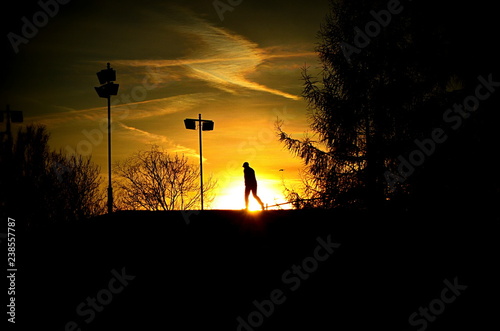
point(156, 180)
point(387, 73)
point(40, 186)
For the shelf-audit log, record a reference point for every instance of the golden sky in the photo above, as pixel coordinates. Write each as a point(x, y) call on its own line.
point(174, 60)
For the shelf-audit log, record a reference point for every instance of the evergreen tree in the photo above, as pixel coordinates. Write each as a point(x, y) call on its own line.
point(382, 84)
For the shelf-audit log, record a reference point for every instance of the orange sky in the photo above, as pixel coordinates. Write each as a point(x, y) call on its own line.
point(174, 60)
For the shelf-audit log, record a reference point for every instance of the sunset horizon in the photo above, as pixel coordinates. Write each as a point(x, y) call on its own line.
point(249, 165)
point(175, 62)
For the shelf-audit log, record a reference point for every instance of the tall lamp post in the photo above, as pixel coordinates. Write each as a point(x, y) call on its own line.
point(203, 125)
point(106, 90)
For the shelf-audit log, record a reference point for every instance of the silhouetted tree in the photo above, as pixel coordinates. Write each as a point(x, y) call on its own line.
point(40, 186)
point(156, 180)
point(377, 91)
point(80, 181)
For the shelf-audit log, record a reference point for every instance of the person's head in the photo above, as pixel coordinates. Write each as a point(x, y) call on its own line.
point(246, 165)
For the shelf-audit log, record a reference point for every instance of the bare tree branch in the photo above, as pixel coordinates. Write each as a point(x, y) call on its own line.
point(156, 180)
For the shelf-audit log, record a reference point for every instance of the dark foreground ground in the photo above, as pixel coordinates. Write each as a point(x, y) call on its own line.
point(153, 271)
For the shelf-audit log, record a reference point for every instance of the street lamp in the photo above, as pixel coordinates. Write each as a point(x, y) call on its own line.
point(203, 125)
point(106, 90)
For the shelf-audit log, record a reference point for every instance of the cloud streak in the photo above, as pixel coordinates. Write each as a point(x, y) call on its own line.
point(151, 138)
point(127, 111)
point(220, 58)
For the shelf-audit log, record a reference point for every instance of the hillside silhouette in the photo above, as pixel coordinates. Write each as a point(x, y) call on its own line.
point(205, 274)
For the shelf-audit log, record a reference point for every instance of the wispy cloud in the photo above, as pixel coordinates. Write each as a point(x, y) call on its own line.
point(125, 111)
point(152, 138)
point(221, 58)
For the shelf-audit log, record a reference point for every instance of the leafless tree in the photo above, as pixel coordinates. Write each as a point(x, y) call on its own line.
point(44, 186)
point(79, 181)
point(156, 180)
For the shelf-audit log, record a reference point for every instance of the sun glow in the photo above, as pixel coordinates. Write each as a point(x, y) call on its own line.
point(233, 197)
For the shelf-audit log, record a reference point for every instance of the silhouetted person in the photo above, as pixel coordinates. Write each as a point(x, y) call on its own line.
point(250, 185)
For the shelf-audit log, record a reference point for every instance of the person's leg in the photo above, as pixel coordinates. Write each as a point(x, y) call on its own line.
point(247, 193)
point(254, 191)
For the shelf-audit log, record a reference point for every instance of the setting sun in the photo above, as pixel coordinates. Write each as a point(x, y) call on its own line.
point(233, 196)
